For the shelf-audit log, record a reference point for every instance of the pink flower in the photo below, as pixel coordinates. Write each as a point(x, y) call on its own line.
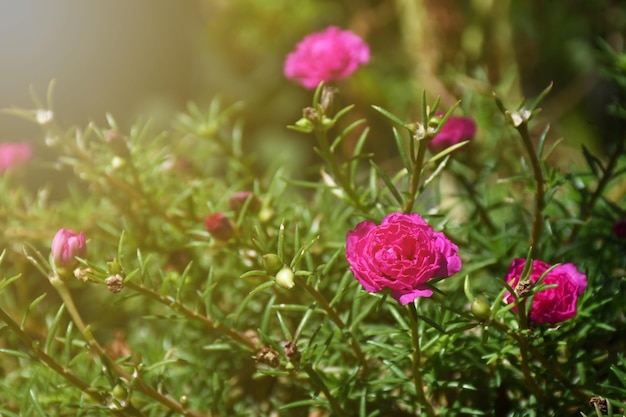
point(219, 226)
point(401, 254)
point(551, 305)
point(455, 130)
point(14, 154)
point(66, 246)
point(330, 55)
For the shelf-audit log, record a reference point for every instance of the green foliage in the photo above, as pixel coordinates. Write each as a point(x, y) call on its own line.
point(165, 318)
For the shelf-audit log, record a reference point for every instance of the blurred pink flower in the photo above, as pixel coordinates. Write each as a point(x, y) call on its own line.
point(14, 154)
point(330, 55)
point(551, 305)
point(402, 254)
point(455, 130)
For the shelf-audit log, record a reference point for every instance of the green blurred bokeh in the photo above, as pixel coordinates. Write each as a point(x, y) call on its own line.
point(149, 57)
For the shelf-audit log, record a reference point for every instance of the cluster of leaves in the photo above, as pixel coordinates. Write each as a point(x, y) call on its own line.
point(202, 327)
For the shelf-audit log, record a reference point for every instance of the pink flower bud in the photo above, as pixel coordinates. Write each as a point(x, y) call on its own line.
point(13, 154)
point(238, 200)
point(219, 226)
point(619, 229)
point(66, 246)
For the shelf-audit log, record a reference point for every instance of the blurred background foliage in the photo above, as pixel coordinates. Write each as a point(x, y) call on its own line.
point(150, 57)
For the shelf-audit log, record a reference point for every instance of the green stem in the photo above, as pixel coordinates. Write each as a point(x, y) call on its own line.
point(416, 175)
point(43, 357)
point(480, 207)
point(416, 360)
point(539, 195)
point(524, 346)
point(176, 306)
point(607, 175)
point(529, 350)
point(328, 157)
point(137, 383)
point(318, 382)
point(334, 316)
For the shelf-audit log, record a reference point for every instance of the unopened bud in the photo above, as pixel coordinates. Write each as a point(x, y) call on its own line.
point(304, 125)
point(284, 278)
point(239, 199)
point(66, 246)
point(480, 309)
point(82, 274)
point(268, 356)
point(293, 354)
point(120, 393)
point(310, 114)
point(523, 288)
point(600, 403)
point(114, 283)
point(272, 263)
point(219, 226)
point(118, 143)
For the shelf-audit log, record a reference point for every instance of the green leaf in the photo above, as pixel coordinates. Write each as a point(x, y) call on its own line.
point(401, 149)
point(392, 188)
point(30, 308)
point(392, 117)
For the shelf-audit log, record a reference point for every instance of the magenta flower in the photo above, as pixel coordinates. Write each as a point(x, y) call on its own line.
point(551, 305)
point(455, 130)
point(330, 55)
point(14, 154)
point(219, 226)
point(402, 254)
point(66, 246)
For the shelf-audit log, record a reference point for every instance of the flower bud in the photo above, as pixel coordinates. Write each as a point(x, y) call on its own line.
point(268, 356)
point(118, 143)
point(600, 403)
point(619, 229)
point(120, 393)
point(114, 283)
point(293, 353)
point(304, 125)
point(238, 200)
point(272, 263)
point(66, 246)
point(219, 226)
point(480, 309)
point(284, 278)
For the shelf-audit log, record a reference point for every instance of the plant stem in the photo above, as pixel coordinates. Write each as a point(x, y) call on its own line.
point(332, 314)
point(416, 175)
point(539, 194)
point(63, 371)
point(416, 359)
point(552, 369)
point(607, 175)
point(164, 400)
point(344, 183)
point(174, 305)
point(317, 381)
